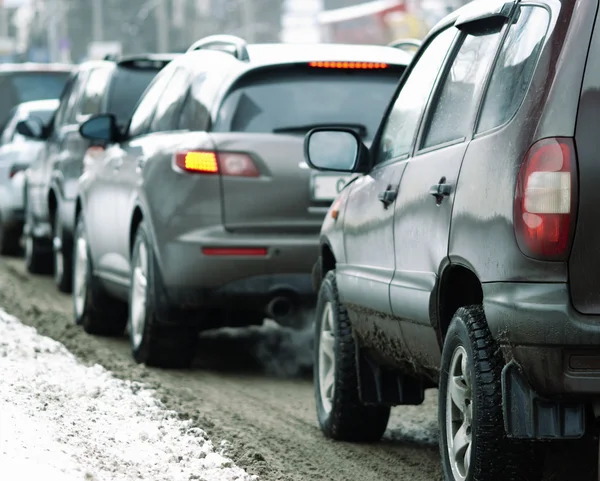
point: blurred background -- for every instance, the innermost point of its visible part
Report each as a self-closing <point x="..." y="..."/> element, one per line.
<point x="76" y="30"/>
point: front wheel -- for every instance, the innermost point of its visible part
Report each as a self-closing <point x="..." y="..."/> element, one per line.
<point x="152" y="342"/>
<point x="473" y="444"/>
<point x="94" y="309"/>
<point x="63" y="258"/>
<point x="340" y="413"/>
<point x="38" y="259"/>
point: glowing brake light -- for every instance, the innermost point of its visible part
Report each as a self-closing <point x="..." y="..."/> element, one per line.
<point x="350" y="65"/>
<point x="225" y="163"/>
<point x="545" y="199"/>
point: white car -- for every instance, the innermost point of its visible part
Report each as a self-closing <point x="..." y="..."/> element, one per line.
<point x="16" y="153"/>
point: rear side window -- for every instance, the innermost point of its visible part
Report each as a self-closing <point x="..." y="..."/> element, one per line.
<point x="18" y="87"/>
<point x="515" y="67"/>
<point x="292" y="101"/>
<point x="127" y="86"/>
<point x="454" y="112"/>
<point x="95" y="88"/>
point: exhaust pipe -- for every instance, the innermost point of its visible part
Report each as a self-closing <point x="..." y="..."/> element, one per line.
<point x="279" y="308"/>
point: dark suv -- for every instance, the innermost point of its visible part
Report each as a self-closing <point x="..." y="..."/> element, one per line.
<point x="464" y="255"/>
<point x="51" y="184"/>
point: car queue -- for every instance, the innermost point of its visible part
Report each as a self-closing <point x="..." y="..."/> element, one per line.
<point x="427" y="206"/>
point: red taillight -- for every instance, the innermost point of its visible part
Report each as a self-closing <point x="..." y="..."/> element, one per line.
<point x="235" y="251"/>
<point x="545" y="199"/>
<point x="224" y="163"/>
<point x="16" y="168"/>
<point x="350" y="65"/>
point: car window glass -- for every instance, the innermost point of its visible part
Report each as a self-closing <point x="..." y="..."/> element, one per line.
<point x="91" y="102"/>
<point x="75" y="95"/>
<point x="195" y="115"/>
<point x="126" y="87"/>
<point x="142" y="115"/>
<point x="65" y="99"/>
<point x="453" y="114"/>
<point x="405" y="115"/>
<point x="514" y="69"/>
<point x="8" y="128"/>
<point x="169" y="105"/>
<point x="291" y="100"/>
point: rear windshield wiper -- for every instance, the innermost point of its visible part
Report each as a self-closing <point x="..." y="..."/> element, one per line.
<point x="359" y="128"/>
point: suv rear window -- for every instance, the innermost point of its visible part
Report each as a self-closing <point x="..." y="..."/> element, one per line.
<point x="293" y="100"/>
<point x="18" y="87"/>
<point x="127" y="86"/>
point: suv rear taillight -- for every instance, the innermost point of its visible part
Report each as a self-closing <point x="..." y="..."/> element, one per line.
<point x="224" y="163"/>
<point x="545" y="199"/>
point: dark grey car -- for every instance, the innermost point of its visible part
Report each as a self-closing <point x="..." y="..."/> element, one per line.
<point x="204" y="213"/>
<point x="51" y="182"/>
<point x="465" y="255"/>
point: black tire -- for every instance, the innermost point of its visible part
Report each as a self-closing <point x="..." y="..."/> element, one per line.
<point x="153" y="342"/>
<point x="494" y="457"/>
<point x="38" y="256"/>
<point x="62" y="256"/>
<point x="10" y="238"/>
<point x="348" y="419"/>
<point x="98" y="313"/>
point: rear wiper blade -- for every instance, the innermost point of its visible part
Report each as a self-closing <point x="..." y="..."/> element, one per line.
<point x="359" y="128"/>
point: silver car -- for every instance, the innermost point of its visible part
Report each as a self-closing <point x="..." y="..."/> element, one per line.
<point x="16" y="154"/>
<point x="203" y="213"/>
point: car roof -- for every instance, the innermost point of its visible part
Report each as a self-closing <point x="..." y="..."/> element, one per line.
<point x="282" y="53"/>
<point x="49" y="105"/>
<point x="35" y="67"/>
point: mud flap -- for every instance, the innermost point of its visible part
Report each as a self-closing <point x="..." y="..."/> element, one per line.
<point x="527" y="415"/>
<point x="385" y="387"/>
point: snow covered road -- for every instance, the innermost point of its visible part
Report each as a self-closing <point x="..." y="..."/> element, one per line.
<point x="61" y="420"/>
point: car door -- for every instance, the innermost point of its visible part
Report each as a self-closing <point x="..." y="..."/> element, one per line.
<point x="107" y="195"/>
<point x="423" y="209"/>
<point x="157" y="143"/>
<point x="369" y="213"/>
<point x="38" y="178"/>
<point x="59" y="144"/>
<point x="74" y="145"/>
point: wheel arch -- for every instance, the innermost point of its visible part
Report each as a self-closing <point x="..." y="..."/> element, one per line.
<point x="458" y="286"/>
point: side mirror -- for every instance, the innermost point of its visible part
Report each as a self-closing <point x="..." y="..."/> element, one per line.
<point x="32" y="128"/>
<point x="100" y="127"/>
<point x="335" y="149"/>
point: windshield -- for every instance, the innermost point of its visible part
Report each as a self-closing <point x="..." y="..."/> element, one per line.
<point x="127" y="87"/>
<point x="43" y="115"/>
<point x="19" y="87"/>
<point x="294" y="101"/>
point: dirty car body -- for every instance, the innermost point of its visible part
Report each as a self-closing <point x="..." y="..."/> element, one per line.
<point x="476" y="207"/>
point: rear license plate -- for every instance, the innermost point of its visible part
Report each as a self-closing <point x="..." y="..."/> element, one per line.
<point x="327" y="187"/>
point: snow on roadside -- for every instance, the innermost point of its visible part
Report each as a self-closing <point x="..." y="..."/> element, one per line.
<point x="61" y="420"/>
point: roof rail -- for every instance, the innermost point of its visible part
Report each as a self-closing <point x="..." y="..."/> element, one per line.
<point x="405" y="43"/>
<point x="230" y="44"/>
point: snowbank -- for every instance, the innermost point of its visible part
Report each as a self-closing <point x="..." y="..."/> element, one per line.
<point x="61" y="420"/>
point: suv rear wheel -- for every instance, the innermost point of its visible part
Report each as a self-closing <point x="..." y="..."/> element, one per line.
<point x="38" y="259"/>
<point x="473" y="444"/>
<point x="340" y="413"/>
<point x="152" y="342"/>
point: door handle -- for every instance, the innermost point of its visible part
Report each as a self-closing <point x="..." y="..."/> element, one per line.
<point x="388" y="196"/>
<point x="440" y="190"/>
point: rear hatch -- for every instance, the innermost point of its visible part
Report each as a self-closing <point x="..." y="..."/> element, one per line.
<point x="266" y="116"/>
<point x="27" y="85"/>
